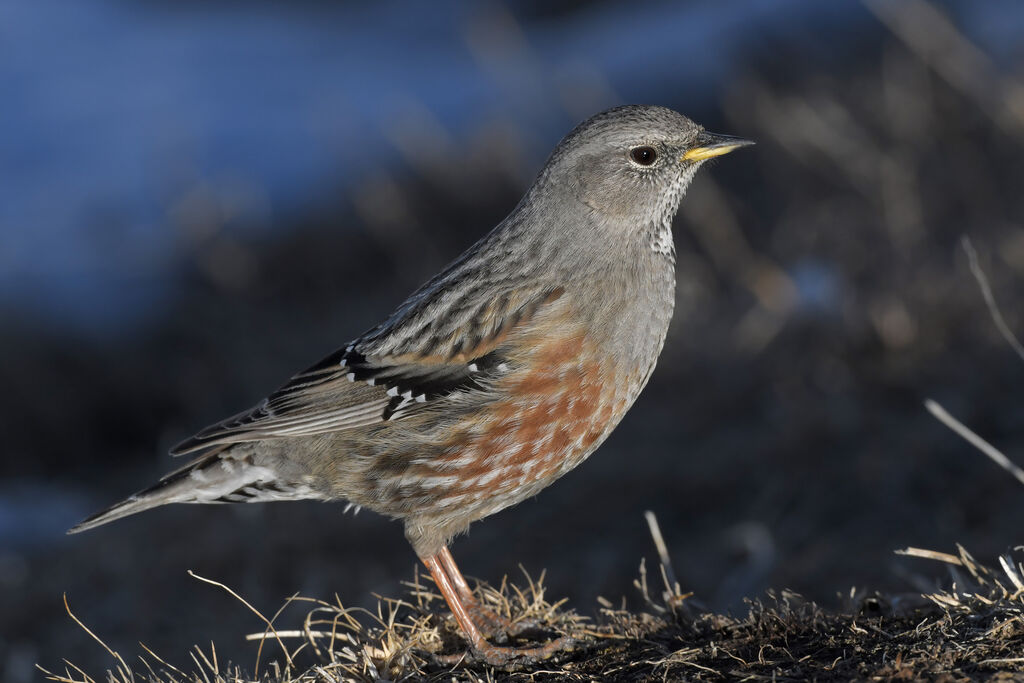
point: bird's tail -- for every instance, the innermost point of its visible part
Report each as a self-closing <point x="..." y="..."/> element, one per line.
<point x="222" y="475"/>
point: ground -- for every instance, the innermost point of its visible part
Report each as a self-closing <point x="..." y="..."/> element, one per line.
<point x="974" y="630"/>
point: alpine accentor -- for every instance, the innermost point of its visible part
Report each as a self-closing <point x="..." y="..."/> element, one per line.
<point x="493" y="379"/>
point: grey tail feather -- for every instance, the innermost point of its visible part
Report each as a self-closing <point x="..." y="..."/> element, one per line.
<point x="129" y="506"/>
<point x="168" y="490"/>
<point x="224" y="474"/>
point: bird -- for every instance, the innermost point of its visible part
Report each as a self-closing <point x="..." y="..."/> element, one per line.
<point x="494" y="378"/>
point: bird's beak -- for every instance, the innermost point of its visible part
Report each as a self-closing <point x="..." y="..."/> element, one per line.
<point x="708" y="145"/>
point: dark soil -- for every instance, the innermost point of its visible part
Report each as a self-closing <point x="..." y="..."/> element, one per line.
<point x="789" y="639"/>
<point x="968" y="633"/>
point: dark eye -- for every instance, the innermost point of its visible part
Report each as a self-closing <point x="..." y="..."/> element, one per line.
<point x="645" y="156"/>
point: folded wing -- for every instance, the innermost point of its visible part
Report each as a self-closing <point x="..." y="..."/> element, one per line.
<point x="355" y="387"/>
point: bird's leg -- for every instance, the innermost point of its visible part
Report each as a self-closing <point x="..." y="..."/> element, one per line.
<point x="458" y="580"/>
<point x="492" y="654"/>
<point x="492" y="624"/>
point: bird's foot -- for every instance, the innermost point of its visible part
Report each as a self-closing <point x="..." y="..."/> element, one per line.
<point x="478" y="623"/>
<point x="509" y="657"/>
<point x="496" y="626"/>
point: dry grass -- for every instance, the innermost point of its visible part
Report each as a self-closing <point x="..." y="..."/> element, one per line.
<point x="973" y="628"/>
<point x="401" y="640"/>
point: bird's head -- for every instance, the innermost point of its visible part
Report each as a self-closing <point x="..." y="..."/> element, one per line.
<point x="633" y="164"/>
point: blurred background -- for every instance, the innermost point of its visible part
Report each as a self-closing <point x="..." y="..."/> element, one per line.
<point x="199" y="199"/>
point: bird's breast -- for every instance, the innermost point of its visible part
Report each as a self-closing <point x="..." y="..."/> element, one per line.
<point x="556" y="405"/>
<point x="569" y="375"/>
<point x="567" y="386"/>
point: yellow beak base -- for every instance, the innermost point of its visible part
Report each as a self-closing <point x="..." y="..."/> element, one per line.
<point x="709" y="145"/>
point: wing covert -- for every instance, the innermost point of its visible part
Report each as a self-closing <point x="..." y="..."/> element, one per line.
<point x="351" y="388"/>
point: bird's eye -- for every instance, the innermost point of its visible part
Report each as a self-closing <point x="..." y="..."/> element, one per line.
<point x="645" y="156"/>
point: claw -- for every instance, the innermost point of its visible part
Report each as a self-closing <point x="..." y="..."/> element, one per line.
<point x="509" y="657"/>
<point x="479" y="623"/>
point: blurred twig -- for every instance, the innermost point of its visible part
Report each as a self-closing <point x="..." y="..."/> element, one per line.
<point x="937" y="42"/>
<point x="990" y="301"/>
<point x="659" y="543"/>
<point x="939" y="412"/>
<point x="972" y="438"/>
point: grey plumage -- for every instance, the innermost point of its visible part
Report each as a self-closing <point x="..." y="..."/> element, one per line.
<point x="424" y="418"/>
<point x="493" y="379"/>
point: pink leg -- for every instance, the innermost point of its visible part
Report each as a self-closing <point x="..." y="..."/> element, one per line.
<point x="439" y="565"/>
<point x="491" y="624"/>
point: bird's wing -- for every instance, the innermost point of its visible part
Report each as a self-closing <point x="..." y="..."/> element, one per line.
<point x="369" y="382"/>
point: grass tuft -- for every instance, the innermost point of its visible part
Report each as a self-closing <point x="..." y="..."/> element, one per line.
<point x="973" y="628"/>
